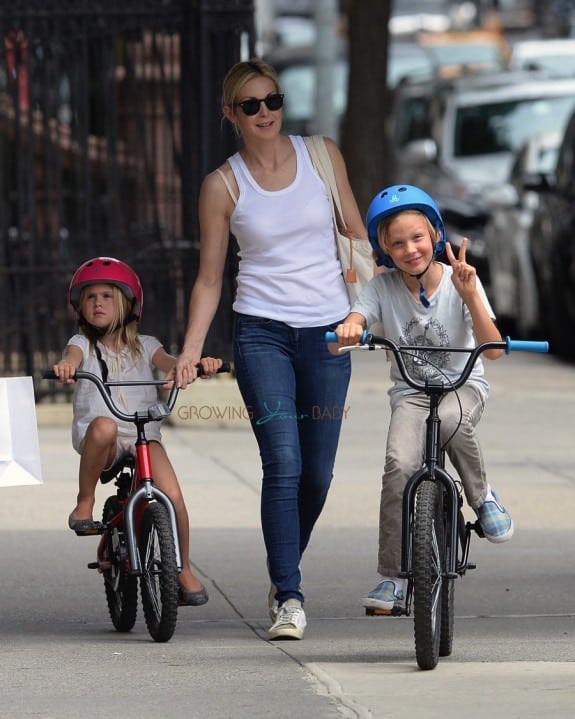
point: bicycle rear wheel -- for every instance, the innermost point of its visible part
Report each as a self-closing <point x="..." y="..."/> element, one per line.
<point x="159" y="580"/>
<point x="121" y="587"/>
<point x="428" y="568"/>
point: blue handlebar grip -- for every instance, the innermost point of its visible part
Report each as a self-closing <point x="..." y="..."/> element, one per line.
<point x="526" y="346"/>
<point x="332" y="337"/>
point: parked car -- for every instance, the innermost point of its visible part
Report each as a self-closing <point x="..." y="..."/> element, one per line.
<point x="409" y="17"/>
<point x="454" y="53"/>
<point x="454" y="137"/>
<point x="552" y="244"/>
<point x="511" y="14"/>
<point x="513" y="286"/>
<point x="553" y="55"/>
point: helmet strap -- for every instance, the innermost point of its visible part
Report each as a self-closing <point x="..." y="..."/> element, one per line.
<point x="103" y="366"/>
<point x="83" y="322"/>
<point x="422" y="298"/>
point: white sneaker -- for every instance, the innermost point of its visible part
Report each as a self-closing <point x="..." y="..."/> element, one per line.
<point x="273" y="604"/>
<point x="290" y="622"/>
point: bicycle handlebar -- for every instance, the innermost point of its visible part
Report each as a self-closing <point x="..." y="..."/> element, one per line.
<point x="154" y="413"/>
<point x="373" y="342"/>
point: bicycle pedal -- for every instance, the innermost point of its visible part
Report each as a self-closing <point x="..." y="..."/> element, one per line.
<point x="98" y="529"/>
<point x="375" y="612"/>
<point x="476" y="527"/>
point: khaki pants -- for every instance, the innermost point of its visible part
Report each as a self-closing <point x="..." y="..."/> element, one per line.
<point x="459" y="412"/>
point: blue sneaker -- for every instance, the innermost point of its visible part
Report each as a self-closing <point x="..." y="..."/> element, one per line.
<point x="387" y="594"/>
<point x="495" y="522"/>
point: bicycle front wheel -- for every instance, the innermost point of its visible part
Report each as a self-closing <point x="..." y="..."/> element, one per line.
<point x="448" y="592"/>
<point x="121" y="587"/>
<point x="428" y="570"/>
<point x="159" y="580"/>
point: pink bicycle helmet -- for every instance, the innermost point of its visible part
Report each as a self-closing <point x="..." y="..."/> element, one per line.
<point x="108" y="270"/>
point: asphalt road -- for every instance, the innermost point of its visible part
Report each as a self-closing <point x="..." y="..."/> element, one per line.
<point x="514" y="648"/>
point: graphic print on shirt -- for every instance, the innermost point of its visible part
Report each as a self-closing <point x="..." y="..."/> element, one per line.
<point x="421" y="364"/>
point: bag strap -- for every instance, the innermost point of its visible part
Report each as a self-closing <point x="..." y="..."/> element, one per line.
<point x="228" y="186"/>
<point x="322" y="162"/>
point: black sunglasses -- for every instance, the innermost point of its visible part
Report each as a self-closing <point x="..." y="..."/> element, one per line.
<point x="252" y="106"/>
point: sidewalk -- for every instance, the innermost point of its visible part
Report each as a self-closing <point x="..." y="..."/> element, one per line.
<point x="514" y="649"/>
<point x="215" y="402"/>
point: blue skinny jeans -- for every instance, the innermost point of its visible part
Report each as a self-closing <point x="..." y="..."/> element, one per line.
<point x="295" y="392"/>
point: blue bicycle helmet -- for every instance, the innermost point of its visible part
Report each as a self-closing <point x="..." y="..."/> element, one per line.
<point x="394" y="199"/>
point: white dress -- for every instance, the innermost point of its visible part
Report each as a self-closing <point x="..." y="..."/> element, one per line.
<point x="88" y="403"/>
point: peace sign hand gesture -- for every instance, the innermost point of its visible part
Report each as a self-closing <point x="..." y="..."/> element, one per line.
<point x="464" y="274"/>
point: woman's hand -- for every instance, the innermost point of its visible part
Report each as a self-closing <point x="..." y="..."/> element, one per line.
<point x="184" y="371"/>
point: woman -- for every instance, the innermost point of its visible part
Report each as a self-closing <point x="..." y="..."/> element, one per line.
<point x="290" y="290"/>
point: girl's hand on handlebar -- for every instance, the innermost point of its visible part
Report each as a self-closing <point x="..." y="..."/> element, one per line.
<point x="65" y="372"/>
<point x="185" y="370"/>
<point x="210" y="365"/>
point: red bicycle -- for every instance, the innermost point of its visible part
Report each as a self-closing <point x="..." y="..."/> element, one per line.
<point x="139" y="531"/>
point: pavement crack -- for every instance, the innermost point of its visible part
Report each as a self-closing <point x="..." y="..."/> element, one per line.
<point x="234" y="473"/>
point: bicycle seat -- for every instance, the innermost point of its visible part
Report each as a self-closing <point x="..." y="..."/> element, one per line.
<point x="126" y="461"/>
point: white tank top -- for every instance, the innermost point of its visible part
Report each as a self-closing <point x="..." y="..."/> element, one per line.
<point x="289" y="269"/>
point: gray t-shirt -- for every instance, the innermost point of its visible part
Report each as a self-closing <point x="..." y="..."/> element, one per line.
<point x="445" y="323"/>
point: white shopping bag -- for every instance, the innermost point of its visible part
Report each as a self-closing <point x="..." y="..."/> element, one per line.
<point x="19" y="447"/>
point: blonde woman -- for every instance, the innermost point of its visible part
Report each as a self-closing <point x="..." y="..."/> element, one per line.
<point x="290" y="290"/>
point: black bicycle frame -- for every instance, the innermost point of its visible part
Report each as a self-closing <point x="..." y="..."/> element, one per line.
<point x="433" y="470"/>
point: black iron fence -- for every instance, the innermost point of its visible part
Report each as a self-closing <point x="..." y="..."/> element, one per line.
<point x="109" y="119"/>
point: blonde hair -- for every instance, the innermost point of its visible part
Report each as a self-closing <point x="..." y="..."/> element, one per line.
<point x="243" y="72"/>
<point x="128" y="334"/>
<point x="383" y="228"/>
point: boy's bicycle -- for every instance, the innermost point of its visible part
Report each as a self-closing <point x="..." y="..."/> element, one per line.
<point x="139" y="532"/>
<point x="435" y="535"/>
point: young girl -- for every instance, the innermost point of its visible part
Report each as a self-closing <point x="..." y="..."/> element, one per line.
<point x="108" y="298"/>
<point x="425" y="302"/>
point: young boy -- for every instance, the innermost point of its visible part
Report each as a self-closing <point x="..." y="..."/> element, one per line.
<point x="422" y="301"/>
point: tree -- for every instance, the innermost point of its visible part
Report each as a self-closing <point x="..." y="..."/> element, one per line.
<point x="364" y="142"/>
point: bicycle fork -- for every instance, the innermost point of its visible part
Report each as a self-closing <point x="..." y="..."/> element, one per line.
<point x="147" y="492"/>
<point x="432" y="470"/>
